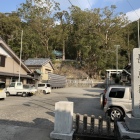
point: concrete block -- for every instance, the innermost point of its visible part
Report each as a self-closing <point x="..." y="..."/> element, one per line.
<point x="125" y="132"/>
<point x="135" y="76"/>
<point x="132" y="122"/>
<point x="62" y="136"/>
<point x="63" y="125"/>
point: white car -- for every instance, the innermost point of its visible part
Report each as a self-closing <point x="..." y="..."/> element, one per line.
<point x="45" y="88"/>
<point x="2" y="90"/>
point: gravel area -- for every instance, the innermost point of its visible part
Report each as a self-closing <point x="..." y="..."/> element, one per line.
<point x="38" y="110"/>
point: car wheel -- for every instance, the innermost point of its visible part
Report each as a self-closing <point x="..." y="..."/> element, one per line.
<point x="2" y="99"/>
<point x="116" y="113"/>
<point x="102" y="100"/>
<point x="44" y="91"/>
<point x="7" y="94"/>
<point x="24" y="94"/>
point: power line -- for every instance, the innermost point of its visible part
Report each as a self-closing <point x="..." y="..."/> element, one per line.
<point x="133" y="8"/>
<point x="89" y="4"/>
<point x="70" y="2"/>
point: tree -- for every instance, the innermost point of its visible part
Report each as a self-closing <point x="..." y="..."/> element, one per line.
<point x="38" y="15"/>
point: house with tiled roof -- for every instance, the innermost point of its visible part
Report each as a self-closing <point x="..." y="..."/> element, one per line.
<point x="11" y="68"/>
<point x="41" y="66"/>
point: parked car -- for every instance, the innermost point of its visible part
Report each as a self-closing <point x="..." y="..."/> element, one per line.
<point x="117" y="101"/>
<point x="102" y="97"/>
<point x="45" y="88"/>
<point x="31" y="87"/>
<point x="16" y="88"/>
<point x="2" y="91"/>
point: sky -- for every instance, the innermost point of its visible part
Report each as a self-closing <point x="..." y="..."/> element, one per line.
<point x="129" y="7"/>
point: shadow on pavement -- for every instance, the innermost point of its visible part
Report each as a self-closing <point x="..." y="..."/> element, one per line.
<point x="95" y="90"/>
<point x="37" y="123"/>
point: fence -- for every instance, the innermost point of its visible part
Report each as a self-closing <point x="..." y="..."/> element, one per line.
<point x="99" y="129"/>
<point x="84" y="83"/>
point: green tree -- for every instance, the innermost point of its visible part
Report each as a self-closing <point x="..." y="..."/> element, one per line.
<point x="39" y="16"/>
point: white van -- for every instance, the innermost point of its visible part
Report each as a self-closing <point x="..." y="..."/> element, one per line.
<point x="44" y="87"/>
<point x="2" y="90"/>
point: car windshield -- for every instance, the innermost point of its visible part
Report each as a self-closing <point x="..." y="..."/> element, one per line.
<point x="41" y="85"/>
<point x="2" y="85"/>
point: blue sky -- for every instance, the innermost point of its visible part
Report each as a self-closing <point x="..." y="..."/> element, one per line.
<point x="130" y="7"/>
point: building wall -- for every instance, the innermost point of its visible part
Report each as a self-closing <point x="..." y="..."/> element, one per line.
<point x="45" y="69"/>
<point x="11" y="66"/>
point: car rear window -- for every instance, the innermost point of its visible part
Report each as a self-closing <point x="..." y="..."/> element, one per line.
<point x="117" y="93"/>
<point x="48" y="85"/>
<point x="41" y="85"/>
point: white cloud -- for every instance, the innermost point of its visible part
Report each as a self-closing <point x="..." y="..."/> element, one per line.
<point x="133" y="15"/>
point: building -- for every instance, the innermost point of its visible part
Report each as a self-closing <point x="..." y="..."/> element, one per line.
<point x="11" y="68"/>
<point x="41" y="66"/>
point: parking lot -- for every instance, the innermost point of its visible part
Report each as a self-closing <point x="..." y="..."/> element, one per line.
<point x="38" y="111"/>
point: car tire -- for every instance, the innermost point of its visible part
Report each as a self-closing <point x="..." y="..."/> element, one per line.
<point x="44" y="92"/>
<point x="24" y="94"/>
<point x="7" y="94"/>
<point x="116" y="113"/>
<point x="2" y="99"/>
<point x="102" y="97"/>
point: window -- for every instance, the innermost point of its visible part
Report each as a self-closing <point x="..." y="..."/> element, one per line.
<point x="18" y="84"/>
<point x="48" y="85"/>
<point x="41" y="85"/>
<point x="47" y="70"/>
<point x="2" y="61"/>
<point x="12" y="85"/>
<point x="117" y="93"/>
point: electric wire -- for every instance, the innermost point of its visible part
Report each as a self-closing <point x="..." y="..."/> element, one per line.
<point x="78" y="3"/>
<point x="70" y="2"/>
<point x="89" y="4"/>
<point x="133" y="8"/>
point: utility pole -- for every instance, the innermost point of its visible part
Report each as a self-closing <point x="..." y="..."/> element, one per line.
<point x="138" y="35"/>
<point x="117" y="57"/>
<point x="20" y="55"/>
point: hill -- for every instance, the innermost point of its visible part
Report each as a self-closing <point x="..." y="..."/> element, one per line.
<point x="69" y="68"/>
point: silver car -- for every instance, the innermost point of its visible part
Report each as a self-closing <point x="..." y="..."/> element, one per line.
<point x="117" y="101"/>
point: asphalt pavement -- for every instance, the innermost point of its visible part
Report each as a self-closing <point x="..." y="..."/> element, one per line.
<point x="32" y="118"/>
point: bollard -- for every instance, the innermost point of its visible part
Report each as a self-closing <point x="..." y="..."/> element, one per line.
<point x="85" y="123"/>
<point x="92" y="125"/>
<point x="115" y="127"/>
<point x="100" y="125"/>
<point x="108" y="126"/>
<point x="77" y="122"/>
